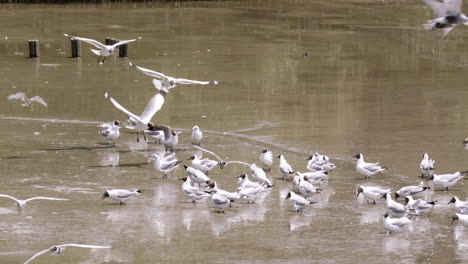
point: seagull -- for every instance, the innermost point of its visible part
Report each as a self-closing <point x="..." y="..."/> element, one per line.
<point x="465" y="143"/>
<point x="419" y="206"/>
<point x="158" y="135"/>
<point x="166" y="83"/>
<point x="244" y="182"/>
<point x="367" y="169"/>
<point x="446" y="180"/>
<point x="197" y="135"/>
<point x="314" y="177"/>
<point x="266" y="159"/>
<point x="165" y="166"/>
<point x="298" y="201"/>
<point x="462" y="217"/>
<point x="222" y="163"/>
<point x="372" y="192"/>
<point x="171" y="138"/>
<point x="27" y="101"/>
<point x="103" y="50"/>
<point x="20" y="204"/>
<point x="232" y="196"/>
<point x="460" y="206"/>
<point x="193" y="192"/>
<point x="285" y="169"/>
<point x="111" y="131"/>
<point x="196" y="176"/>
<point x="412" y="190"/>
<point x="205" y="165"/>
<point x="318" y="162"/>
<point x="220" y="201"/>
<point x="447" y="15"/>
<point x="393" y="225"/>
<point x="140" y="123"/>
<point x="56" y="250"/>
<point x="306" y="188"/>
<point x="426" y="166"/>
<point x="250" y="193"/>
<point x="260" y="175"/>
<point x="393" y="208"/>
<point x="120" y="195"/>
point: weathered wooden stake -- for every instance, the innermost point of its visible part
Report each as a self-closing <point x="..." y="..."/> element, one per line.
<point x="75" y="48"/>
<point x="123" y="51"/>
<point x="34" y="48"/>
<point x="110" y="41"/>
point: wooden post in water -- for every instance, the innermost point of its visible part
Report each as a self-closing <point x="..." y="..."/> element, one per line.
<point x="123" y="51"/>
<point x="110" y="41"/>
<point x="75" y="48"/>
<point x="34" y="48"/>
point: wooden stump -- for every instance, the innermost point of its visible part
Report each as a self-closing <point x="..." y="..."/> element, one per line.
<point x="110" y="41"/>
<point x="123" y="51"/>
<point x="75" y="48"/>
<point x="34" y="48"/>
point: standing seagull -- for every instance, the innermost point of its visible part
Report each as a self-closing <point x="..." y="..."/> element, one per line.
<point x="446" y="180"/>
<point x="285" y="169"/>
<point x="111" y="131"/>
<point x="447" y="15"/>
<point x="426" y="166"/>
<point x="367" y="169"/>
<point x="120" y="195"/>
<point x="27" y="101"/>
<point x="266" y="159"/>
<point x="298" y="201"/>
<point x="197" y="135"/>
<point x="372" y="192"/>
<point x="165" y="165"/>
<point x="460" y="206"/>
<point x="20" y="204"/>
<point x="140" y="123"/>
<point x="393" y="225"/>
<point x="171" y="138"/>
<point x="104" y="50"/>
<point x="393" y="208"/>
<point x="411" y="190"/>
<point x="56" y="250"/>
<point x="166" y="83"/>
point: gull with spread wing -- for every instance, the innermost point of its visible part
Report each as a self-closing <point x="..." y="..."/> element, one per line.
<point x="141" y="123"/>
<point x="166" y="82"/>
<point x="103" y="50"/>
<point x="447" y="15"/>
<point x="27" y="101"/>
<point x="20" y="204"/>
<point x="56" y="250"/>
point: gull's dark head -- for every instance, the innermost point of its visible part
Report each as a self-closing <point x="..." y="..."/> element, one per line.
<point x="264" y="150"/>
<point x="289" y="195"/>
<point x="105" y="195"/>
<point x="406" y="200"/>
<point x="359" y="191"/>
<point x="453" y="200"/>
<point x="357" y="156"/>
<point x="151" y="126"/>
<point x="242" y="176"/>
<point x="191" y="157"/>
<point x="117" y="123"/>
<point x="386" y="215"/>
<point x="454" y="218"/>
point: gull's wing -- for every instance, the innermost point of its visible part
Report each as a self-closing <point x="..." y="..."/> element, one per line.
<point x="45" y="198"/>
<point x="153" y="106"/>
<point x="372" y="167"/>
<point x="8" y="196"/>
<point x="149" y="72"/>
<point x="158" y="84"/>
<point x="446" y="31"/>
<point x="238" y="162"/>
<point x="20" y="96"/>
<point x="83" y="246"/>
<point x="167" y="131"/>
<point x="37" y="255"/>
<point x="125" y="42"/>
<point x="437" y="7"/>
<point x="207" y="151"/>
<point x="93" y="42"/>
<point x="187" y="81"/>
<point x="39" y="99"/>
<point x="121" y="108"/>
<point x="453" y="7"/>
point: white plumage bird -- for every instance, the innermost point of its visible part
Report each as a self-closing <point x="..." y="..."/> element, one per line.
<point x="266" y="159"/>
<point x="171" y="137"/>
<point x="103" y="50"/>
<point x="395" y="225"/>
<point x="463" y="218"/>
<point x="365" y="168"/>
<point x="419" y="206"/>
<point x="197" y="135"/>
<point x="372" y="192"/>
<point x="27" y="101"/>
<point x="460" y="206"/>
<point x="298" y="201"/>
<point x="20" y="204"/>
<point x="426" y="166"/>
<point x="412" y="190"/>
<point x="111" y="131"/>
<point x="165" y="166"/>
<point x="393" y="208"/>
<point x="56" y="250"/>
<point x="120" y="195"/>
<point x="446" y="180"/>
<point x="447" y="15"/>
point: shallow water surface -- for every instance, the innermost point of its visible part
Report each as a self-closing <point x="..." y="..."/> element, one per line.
<point x="373" y="81"/>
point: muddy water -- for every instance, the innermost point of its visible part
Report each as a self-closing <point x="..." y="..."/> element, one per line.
<point x="373" y="81"/>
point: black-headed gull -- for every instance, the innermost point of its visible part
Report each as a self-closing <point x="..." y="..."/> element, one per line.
<point x="445" y="180"/>
<point x="156" y="134"/>
<point x="120" y="195"/>
<point x="165" y="166"/>
<point x="110" y="131"/>
<point x="232" y="196"/>
<point x="27" y="101"/>
<point x="103" y="50"/>
<point x="197" y="135"/>
<point x="260" y="175"/>
<point x="250" y="193"/>
<point x="393" y="208"/>
<point x="171" y="137"/>
<point x="419" y="206"/>
<point x="463" y="218"/>
<point x="140" y="123"/>
<point x="244" y="181"/>
<point x="166" y="82"/>
<point x="284" y="167"/>
<point x="319" y="162"/>
<point x="372" y="192"/>
<point x="395" y="225"/>
<point x="56" y="250"/>
<point x="412" y="190"/>
<point x="205" y="165"/>
<point x="20" y="204"/>
<point x="220" y="201"/>
<point x="298" y="201"/>
<point x="306" y="188"/>
<point x="196" y="176"/>
<point x="426" y="166"/>
<point x="447" y="15"/>
<point x="460" y="206"/>
<point x="365" y="168"/>
<point x="193" y="192"/>
<point x="266" y="159"/>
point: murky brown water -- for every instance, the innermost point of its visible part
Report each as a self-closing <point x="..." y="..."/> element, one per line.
<point x="373" y="82"/>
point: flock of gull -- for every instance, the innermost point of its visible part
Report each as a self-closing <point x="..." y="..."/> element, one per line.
<point x="197" y="185"/>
